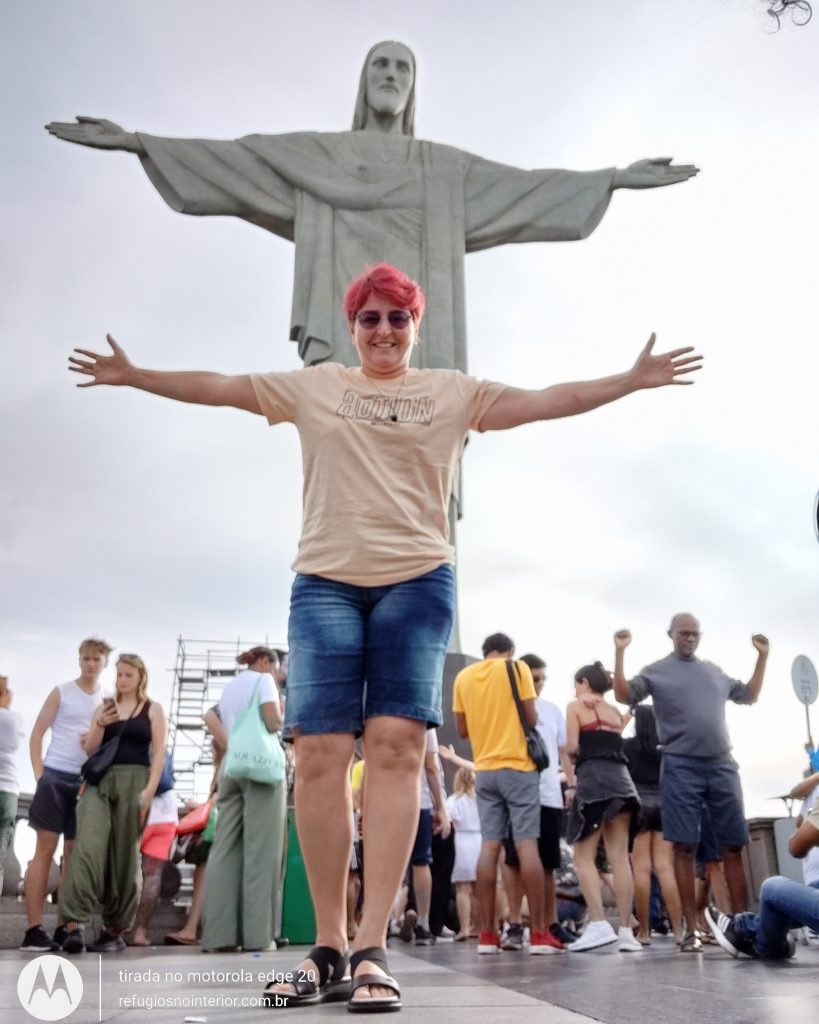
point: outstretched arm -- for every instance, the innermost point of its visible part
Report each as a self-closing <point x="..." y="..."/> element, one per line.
<point x="196" y="386"/>
<point x="97" y="133"/>
<point x="653" y="173"/>
<point x="516" y="406"/>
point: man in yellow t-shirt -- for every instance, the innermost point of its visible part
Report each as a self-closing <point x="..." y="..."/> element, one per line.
<point x="507" y="781"/>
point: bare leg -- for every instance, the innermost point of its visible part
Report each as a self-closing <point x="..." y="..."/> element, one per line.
<point x="422" y="884"/>
<point x="641" y="866"/>
<point x="615" y="835"/>
<point x="393" y="751"/>
<point x="661" y="856"/>
<point x="190" y="929"/>
<point x="486" y="882"/>
<point x="531" y="876"/>
<point x="324" y="818"/>
<point x="463" y="901"/>
<point x="353" y="889"/>
<point x="152" y="868"/>
<point x="37" y="875"/>
<point x="683" y="859"/>
<point x="513" y="888"/>
<point x="585" y="850"/>
<point x="735" y="878"/>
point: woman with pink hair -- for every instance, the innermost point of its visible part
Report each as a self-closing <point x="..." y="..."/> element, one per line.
<point x="373" y="601"/>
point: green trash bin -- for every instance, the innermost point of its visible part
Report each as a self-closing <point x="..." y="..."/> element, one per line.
<point x="298" y="917"/>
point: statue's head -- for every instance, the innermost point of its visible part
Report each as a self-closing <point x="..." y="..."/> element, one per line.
<point x="387" y="85"/>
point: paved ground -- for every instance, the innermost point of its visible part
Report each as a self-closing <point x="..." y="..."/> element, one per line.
<point x="658" y="984"/>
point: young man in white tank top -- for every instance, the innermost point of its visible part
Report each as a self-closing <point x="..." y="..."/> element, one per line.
<point x="67" y="712"/>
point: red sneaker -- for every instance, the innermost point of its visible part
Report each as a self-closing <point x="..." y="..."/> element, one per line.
<point x="544" y="944"/>
<point x="488" y="942"/>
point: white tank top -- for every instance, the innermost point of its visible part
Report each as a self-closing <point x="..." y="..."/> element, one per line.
<point x="73" y="718"/>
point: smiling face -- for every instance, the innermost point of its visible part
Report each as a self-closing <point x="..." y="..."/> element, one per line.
<point x="390" y="76"/>
<point x="384" y="350"/>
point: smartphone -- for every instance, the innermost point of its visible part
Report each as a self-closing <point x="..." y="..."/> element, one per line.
<point x="108" y="703"/>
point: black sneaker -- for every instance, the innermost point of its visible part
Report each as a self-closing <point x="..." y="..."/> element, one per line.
<point x="723" y="930"/>
<point x="562" y="934"/>
<point x="36" y="941"/>
<point x="423" y="936"/>
<point x="60" y="935"/>
<point x="74" y="941"/>
<point x="512" y="937"/>
<point x="105" y="942"/>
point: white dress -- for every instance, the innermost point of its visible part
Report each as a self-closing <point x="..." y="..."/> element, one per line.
<point x="463" y="811"/>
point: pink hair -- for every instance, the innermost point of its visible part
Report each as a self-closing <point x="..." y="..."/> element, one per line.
<point x="388" y="281"/>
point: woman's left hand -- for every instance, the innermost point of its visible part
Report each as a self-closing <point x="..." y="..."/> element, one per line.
<point x="652" y="371"/>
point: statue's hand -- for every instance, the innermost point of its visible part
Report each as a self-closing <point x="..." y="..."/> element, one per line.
<point x="653" y="173"/>
<point x="95" y="132"/>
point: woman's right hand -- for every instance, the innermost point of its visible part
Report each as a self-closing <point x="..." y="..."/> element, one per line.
<point x="114" y="369"/>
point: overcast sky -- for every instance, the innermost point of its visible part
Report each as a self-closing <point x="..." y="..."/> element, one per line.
<point x="140" y="520"/>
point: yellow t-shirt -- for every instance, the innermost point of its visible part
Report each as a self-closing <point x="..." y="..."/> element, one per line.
<point x="379" y="462"/>
<point x="483" y="694"/>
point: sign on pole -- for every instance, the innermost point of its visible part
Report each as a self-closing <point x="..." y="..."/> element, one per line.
<point x="805" y="682"/>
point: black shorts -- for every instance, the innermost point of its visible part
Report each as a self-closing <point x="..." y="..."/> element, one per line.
<point x="548" y="845"/>
<point x="54" y="805"/>
<point x="650" y="817"/>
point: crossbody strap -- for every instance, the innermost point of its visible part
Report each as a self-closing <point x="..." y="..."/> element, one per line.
<point x="518" y="703"/>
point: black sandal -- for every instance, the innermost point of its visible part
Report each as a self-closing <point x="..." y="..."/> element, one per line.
<point x="381" y="1004"/>
<point x="329" y="983"/>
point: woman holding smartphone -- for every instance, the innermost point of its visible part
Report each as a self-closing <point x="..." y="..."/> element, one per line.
<point x="111" y="814"/>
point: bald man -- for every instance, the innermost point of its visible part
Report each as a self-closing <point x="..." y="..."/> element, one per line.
<point x="689" y="698"/>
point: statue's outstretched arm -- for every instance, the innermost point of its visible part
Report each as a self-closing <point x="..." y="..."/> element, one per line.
<point x="96" y="132"/>
<point x="653" y="173"/>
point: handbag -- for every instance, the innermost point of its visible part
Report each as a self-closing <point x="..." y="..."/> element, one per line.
<point x="94" y="769"/>
<point x="534" y="741"/>
<point x="195" y="820"/>
<point x="253" y="753"/>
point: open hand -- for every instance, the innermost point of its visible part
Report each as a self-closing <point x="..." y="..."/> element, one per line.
<point x="95" y="132"/>
<point x="652" y="371"/>
<point x="113" y="369"/>
<point x="653" y="173"/>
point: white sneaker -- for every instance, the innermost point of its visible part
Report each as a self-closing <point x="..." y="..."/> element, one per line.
<point x="595" y="935"/>
<point x="627" y="943"/>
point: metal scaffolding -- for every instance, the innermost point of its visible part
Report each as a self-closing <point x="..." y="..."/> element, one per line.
<point x="202" y="669"/>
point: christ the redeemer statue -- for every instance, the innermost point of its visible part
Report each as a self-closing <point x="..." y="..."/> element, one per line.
<point x="375" y="193"/>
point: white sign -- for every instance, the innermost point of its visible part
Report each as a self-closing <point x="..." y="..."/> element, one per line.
<point x="805" y="683"/>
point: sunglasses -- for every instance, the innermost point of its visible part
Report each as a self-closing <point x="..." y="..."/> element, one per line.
<point x="398" y="318"/>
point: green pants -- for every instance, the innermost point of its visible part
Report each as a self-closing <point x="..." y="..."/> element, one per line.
<point x="104" y="866"/>
<point x="8" y="816"/>
<point x="245" y="865"/>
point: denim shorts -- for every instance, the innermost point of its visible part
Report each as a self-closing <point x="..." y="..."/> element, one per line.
<point x="358" y="652"/>
<point x="422" y="848"/>
<point x="688" y="783"/>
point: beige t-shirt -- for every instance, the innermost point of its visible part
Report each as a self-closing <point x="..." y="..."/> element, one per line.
<point x="379" y="461"/>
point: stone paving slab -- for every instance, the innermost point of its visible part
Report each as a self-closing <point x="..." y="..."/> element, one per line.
<point x="658" y="984"/>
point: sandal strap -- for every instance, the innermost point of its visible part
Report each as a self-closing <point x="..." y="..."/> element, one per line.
<point x="375" y="954"/>
<point x="382" y="980"/>
<point x="330" y="964"/>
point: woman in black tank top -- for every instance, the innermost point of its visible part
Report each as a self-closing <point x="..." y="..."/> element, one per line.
<point x="112" y="814"/>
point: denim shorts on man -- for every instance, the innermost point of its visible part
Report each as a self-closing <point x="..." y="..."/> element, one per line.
<point x="54" y="804"/>
<point x="422" y="849"/>
<point x="686" y="783"/>
<point x="358" y="652"/>
<point x="507" y="797"/>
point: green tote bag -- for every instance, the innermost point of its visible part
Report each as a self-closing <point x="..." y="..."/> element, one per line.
<point x="254" y="753"/>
